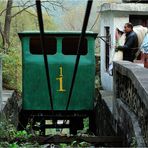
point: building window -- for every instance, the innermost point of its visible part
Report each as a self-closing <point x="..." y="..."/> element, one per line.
<point x="107" y="46"/>
<point x="139" y="20"/>
<point x="134" y="1"/>
<point x="50" y="45"/>
<point x="70" y="46"/>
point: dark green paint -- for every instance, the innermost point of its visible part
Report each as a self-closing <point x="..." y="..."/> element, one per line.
<point x="35" y="91"/>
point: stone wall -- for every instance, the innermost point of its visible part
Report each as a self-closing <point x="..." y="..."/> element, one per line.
<point x="131" y="100"/>
<point x="97" y="60"/>
<point x="104" y="117"/>
<point x="105" y="121"/>
<point x="12" y="108"/>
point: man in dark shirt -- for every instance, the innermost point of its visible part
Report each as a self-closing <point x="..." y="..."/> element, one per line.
<point x="130" y="46"/>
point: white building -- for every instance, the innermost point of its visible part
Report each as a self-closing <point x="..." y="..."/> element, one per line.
<point x="112" y="16"/>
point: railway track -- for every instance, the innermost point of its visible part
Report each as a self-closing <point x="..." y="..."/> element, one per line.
<point x="92" y="140"/>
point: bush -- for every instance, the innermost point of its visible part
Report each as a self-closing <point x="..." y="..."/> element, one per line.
<point x="11" y="138"/>
<point x="12" y="69"/>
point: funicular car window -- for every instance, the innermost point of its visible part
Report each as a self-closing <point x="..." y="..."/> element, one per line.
<point x="50" y="45"/>
<point x="70" y="46"/>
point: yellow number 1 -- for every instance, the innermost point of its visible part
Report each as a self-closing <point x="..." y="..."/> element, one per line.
<point x="61" y="89"/>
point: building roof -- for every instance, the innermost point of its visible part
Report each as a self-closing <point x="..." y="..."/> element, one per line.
<point x="130" y="7"/>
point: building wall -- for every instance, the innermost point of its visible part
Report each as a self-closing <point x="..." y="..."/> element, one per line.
<point x="111" y="20"/>
<point x="106" y="80"/>
<point x="115" y="16"/>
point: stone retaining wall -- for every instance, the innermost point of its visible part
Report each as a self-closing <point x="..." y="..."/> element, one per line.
<point x="131" y="101"/>
<point x="104" y="118"/>
<point x="12" y="108"/>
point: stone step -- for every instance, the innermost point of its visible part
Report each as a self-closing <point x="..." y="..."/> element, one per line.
<point x="107" y="96"/>
<point x="6" y="94"/>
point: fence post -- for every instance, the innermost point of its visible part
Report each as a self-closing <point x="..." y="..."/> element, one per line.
<point x="146" y="60"/>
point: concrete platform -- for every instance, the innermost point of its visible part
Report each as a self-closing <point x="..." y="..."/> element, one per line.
<point x="107" y="96"/>
<point x="6" y="94"/>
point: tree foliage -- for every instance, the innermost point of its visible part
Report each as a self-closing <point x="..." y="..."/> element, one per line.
<point x="21" y="16"/>
<point x="73" y="17"/>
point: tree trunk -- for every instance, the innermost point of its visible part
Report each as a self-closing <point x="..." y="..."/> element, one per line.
<point x="2" y="35"/>
<point x="7" y="25"/>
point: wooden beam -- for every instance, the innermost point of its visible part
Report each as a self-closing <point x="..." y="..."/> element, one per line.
<point x="68" y="139"/>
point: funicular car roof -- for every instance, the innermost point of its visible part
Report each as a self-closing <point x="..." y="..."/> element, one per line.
<point x="56" y="33"/>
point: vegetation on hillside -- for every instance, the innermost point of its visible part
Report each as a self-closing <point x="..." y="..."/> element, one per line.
<point x="17" y="16"/>
<point x="10" y="46"/>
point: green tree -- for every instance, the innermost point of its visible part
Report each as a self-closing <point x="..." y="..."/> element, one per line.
<point x="23" y="17"/>
<point x="12" y="9"/>
<point x="73" y="17"/>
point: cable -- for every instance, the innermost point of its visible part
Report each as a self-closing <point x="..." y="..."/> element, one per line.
<point x="95" y="22"/>
<point x="41" y="26"/>
<point x="85" y="22"/>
